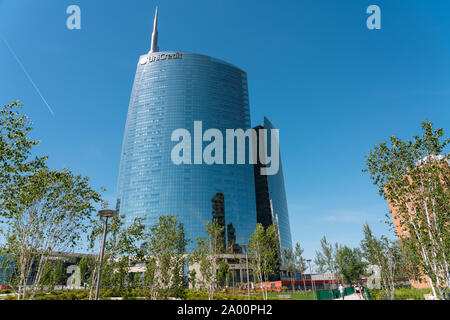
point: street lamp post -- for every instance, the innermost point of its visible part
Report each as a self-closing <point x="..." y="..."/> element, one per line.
<point x="246" y="260"/>
<point x="312" y="281"/>
<point x="232" y="274"/>
<point x="103" y="214"/>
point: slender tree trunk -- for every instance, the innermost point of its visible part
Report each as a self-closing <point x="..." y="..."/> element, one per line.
<point x="93" y="282"/>
<point x="37" y="278"/>
<point x="293" y="283"/>
<point x="432" y="286"/>
<point x="433" y="250"/>
<point x="421" y="245"/>
<point x="304" y="282"/>
<point x="439" y="234"/>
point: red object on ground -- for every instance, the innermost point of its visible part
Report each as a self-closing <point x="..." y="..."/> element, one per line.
<point x="2" y="287"/>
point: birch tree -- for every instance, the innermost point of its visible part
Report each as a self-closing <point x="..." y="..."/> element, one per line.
<point x="414" y="176"/>
<point x="207" y="255"/>
<point x="288" y="261"/>
<point x="300" y="262"/>
<point x="42" y="210"/>
<point x="387" y="255"/>
<point x="325" y="259"/>
<point x="48" y="213"/>
<point x="263" y="254"/>
<point x="121" y="251"/>
<point x="349" y="264"/>
<point x="165" y="258"/>
<point x="16" y="163"/>
<point x="16" y="145"/>
<point x="86" y="265"/>
<point x="223" y="273"/>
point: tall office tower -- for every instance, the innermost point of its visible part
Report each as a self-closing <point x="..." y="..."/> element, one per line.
<point x="171" y="90"/>
<point x="271" y="202"/>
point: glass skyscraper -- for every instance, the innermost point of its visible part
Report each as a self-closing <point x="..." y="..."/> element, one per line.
<point x="271" y="202"/>
<point x="171" y="90"/>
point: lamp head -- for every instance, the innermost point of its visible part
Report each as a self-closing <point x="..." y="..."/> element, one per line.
<point x="107" y="213"/>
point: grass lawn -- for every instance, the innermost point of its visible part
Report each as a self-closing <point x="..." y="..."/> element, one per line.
<point x="293" y="295"/>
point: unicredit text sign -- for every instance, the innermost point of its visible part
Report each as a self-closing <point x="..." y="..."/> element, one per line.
<point x="160" y="57"/>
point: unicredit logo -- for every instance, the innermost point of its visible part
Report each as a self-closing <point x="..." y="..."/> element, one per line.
<point x="160" y="57"/>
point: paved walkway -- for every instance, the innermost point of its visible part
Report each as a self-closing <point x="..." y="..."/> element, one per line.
<point x="351" y="297"/>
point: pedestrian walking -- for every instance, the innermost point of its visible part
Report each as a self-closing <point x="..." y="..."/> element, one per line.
<point x="342" y="291"/>
<point x="362" y="290"/>
<point x="357" y="289"/>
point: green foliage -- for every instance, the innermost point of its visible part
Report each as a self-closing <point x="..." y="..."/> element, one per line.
<point x="292" y="296"/>
<point x="349" y="264"/>
<point x="414" y="176"/>
<point x="121" y="250"/>
<point x="43" y="210"/>
<point x="385" y="254"/>
<point x="48" y="213"/>
<point x="58" y="275"/>
<point x="15" y="154"/>
<point x="202" y="295"/>
<point x="300" y="261"/>
<point x="404" y="293"/>
<point x="263" y="253"/>
<point x="325" y="260"/>
<point x="388" y="164"/>
<point x="87" y="266"/>
<point x="206" y="256"/>
<point x="63" y="295"/>
<point x="408" y="293"/>
<point x="125" y="295"/>
<point x="223" y="273"/>
<point x="288" y="261"/>
<point x="166" y="247"/>
<point x="54" y="295"/>
<point x="193" y="278"/>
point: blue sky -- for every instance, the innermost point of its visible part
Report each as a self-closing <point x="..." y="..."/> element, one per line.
<point x="333" y="87"/>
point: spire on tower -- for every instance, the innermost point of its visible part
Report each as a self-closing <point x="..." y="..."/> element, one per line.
<point x="154" y="47"/>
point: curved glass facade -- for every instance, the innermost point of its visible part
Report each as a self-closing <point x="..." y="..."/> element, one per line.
<point x="277" y="195"/>
<point x="271" y="202"/>
<point x="172" y="90"/>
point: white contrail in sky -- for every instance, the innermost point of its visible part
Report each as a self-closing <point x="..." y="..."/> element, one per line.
<point x="27" y="74"/>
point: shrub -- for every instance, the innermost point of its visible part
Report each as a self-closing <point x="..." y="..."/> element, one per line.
<point x="407" y="293"/>
<point x="47" y="297"/>
<point x="403" y="293"/>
